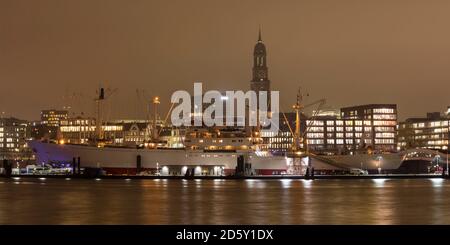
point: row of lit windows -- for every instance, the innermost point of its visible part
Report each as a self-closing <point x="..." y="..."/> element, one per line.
<point x="15" y="129"/>
<point x="134" y="139"/>
<point x="384" y="141"/>
<point x="280" y="146"/>
<point x="430" y="136"/>
<point x="384" y="129"/>
<point x="338" y="141"/>
<point x="339" y="122"/>
<point x="134" y="133"/>
<point x="351" y="129"/>
<point x="437" y="131"/>
<point x="437" y="142"/>
<point x="349" y="135"/>
<point x="269" y="134"/>
<point x="384" y="135"/>
<point x="9" y="145"/>
<point x="384" y="117"/>
<point x="431" y="124"/>
<point x="385" y="123"/>
<point x="78" y="122"/>
<point x="280" y="140"/>
<point x="383" y="110"/>
<point x="440" y="130"/>
<point x="91" y="128"/>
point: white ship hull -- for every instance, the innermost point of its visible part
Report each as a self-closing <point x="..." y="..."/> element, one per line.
<point x="116" y="160"/>
<point x="124" y="160"/>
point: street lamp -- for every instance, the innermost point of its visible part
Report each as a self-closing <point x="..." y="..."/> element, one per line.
<point x="379" y="158"/>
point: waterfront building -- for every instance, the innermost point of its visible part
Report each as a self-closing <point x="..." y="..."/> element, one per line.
<point x="13" y="144"/>
<point x="281" y="141"/>
<point x="135" y="133"/>
<point x="218" y="139"/>
<point x="358" y="128"/>
<point x="47" y="128"/>
<point x="83" y="130"/>
<point x="431" y="132"/>
<point x="120" y="132"/>
<point x="52" y="118"/>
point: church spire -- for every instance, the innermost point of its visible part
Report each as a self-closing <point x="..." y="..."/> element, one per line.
<point x="259" y="35"/>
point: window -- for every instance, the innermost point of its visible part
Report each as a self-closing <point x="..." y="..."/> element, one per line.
<point x="383" y="110"/>
<point x="316" y="129"/>
<point x="384" y="141"/>
<point x="384" y="135"/>
<point x="315" y="135"/>
<point x="384" y="123"/>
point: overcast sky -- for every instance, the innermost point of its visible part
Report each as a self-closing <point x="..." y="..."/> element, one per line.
<point x="55" y="53"/>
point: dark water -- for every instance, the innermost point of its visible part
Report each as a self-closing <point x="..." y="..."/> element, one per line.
<point x="54" y="201"/>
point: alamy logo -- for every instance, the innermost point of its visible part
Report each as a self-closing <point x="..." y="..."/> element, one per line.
<point x="240" y="109"/>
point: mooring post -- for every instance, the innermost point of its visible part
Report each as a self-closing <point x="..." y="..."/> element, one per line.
<point x="74" y="163"/>
<point x="79" y="165"/>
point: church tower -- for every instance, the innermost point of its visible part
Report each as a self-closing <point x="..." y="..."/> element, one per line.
<point x="260" y="80"/>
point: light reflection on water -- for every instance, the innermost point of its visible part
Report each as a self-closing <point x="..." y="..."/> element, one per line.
<point x="285" y="201"/>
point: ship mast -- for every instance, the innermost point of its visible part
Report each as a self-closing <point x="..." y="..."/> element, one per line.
<point x="297" y="139"/>
<point x="100" y="102"/>
<point x="98" y="121"/>
<point x="155" y="135"/>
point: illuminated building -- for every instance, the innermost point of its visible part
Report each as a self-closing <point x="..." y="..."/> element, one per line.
<point x="82" y="130"/>
<point x="358" y="128"/>
<point x="13" y="145"/>
<point x="431" y="132"/>
<point x="48" y="126"/>
<point x="122" y="132"/>
<point x="281" y="141"/>
<point x="52" y="118"/>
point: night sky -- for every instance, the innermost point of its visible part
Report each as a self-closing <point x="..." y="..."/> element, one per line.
<point x="55" y="53"/>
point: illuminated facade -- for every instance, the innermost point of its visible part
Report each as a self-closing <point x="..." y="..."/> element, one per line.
<point x="120" y="132"/>
<point x="52" y="118"/>
<point x="82" y="130"/>
<point x="218" y="139"/>
<point x="281" y="141"/>
<point x="431" y="132"/>
<point x="13" y="145"/>
<point x="359" y="128"/>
